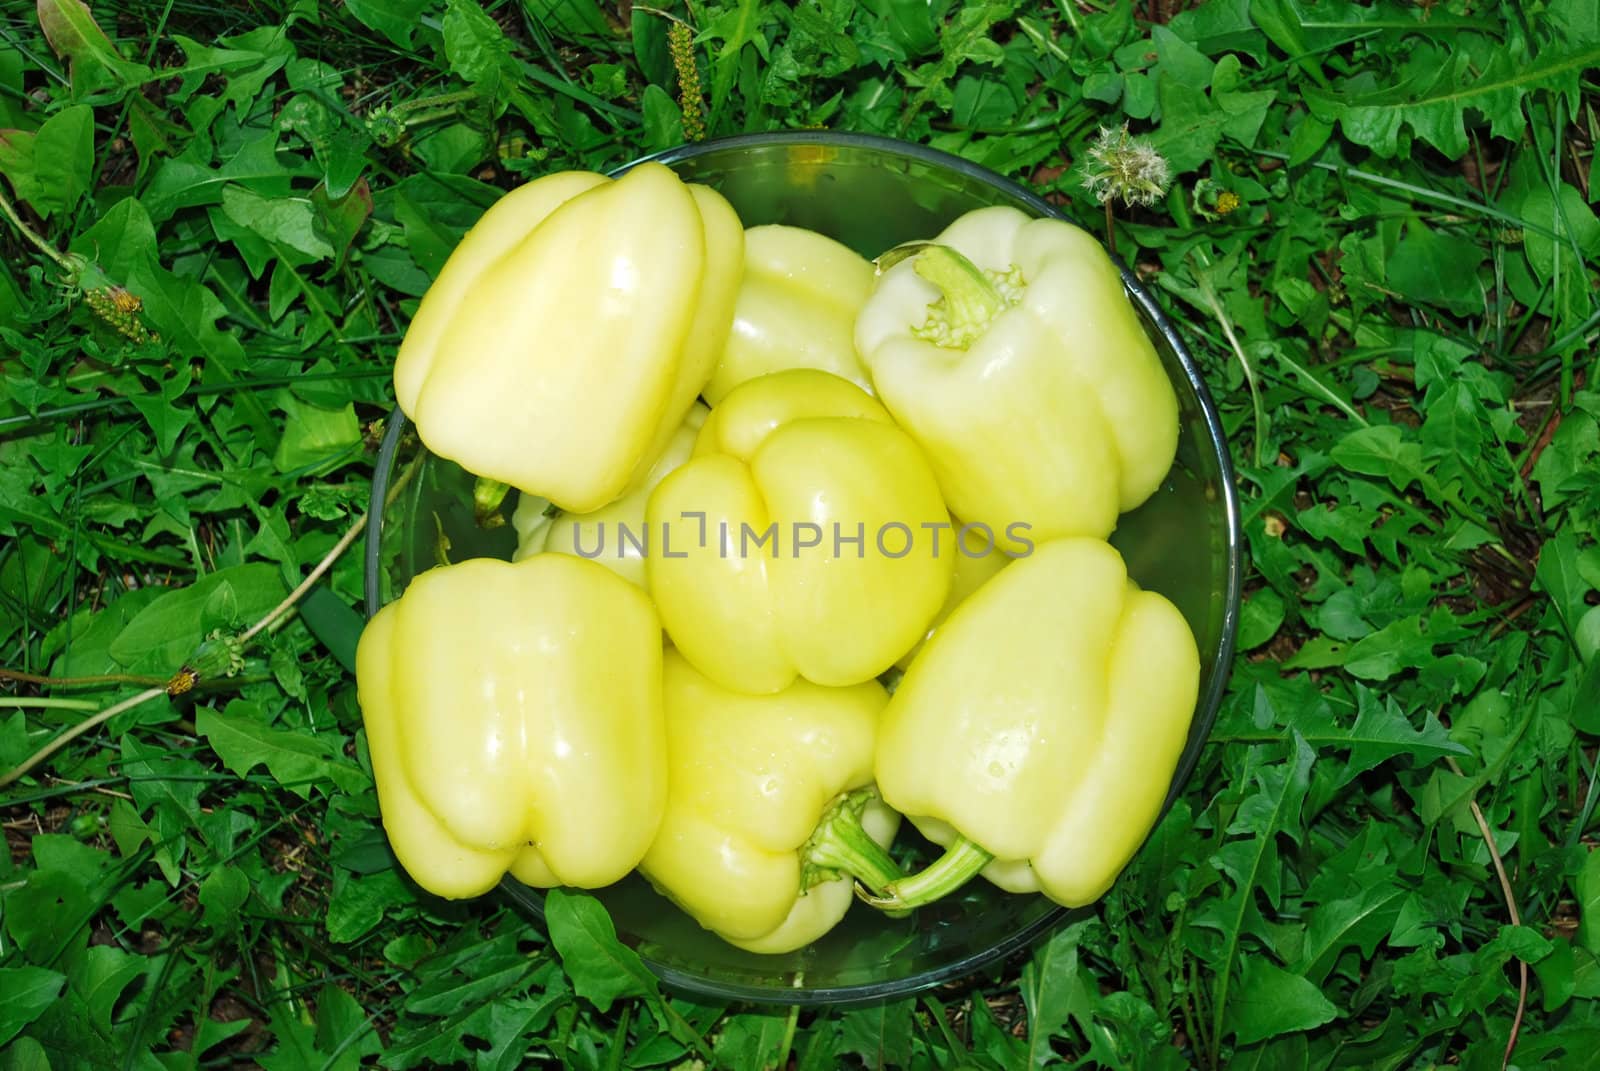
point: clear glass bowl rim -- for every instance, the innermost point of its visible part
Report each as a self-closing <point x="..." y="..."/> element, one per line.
<point x="1206" y="707"/>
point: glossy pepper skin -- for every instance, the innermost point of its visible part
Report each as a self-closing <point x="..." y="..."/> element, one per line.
<point x="614" y="535"/>
<point x="571" y="330"/>
<point x="976" y="561"/>
<point x="514" y="717"/>
<point x="1019" y="364"/>
<point x="796" y="308"/>
<point x="1038" y="731"/>
<point x="755" y="782"/>
<point x="750" y="604"/>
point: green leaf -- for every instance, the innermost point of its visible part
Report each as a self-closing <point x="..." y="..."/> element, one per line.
<point x="1180" y="60"/>
<point x="1572" y="454"/>
<point x="1406" y="644"/>
<point x="1382" y="731"/>
<point x="296" y="1047"/>
<point x="650" y="48"/>
<point x="163" y="785"/>
<point x="881" y="1035"/>
<point x="569" y="18"/>
<point x="663" y="119"/>
<point x="751" y="1040"/>
<point x="477" y="48"/>
<point x="1558" y="575"/>
<point x="1584" y="710"/>
<point x="1363" y="920"/>
<point x="1260" y="618"/>
<point x="1574" y="231"/>
<point x="26" y="1054"/>
<point x="395" y="19"/>
<point x="1381" y="450"/>
<point x="164" y="412"/>
<point x="337" y="142"/>
<point x="242" y="740"/>
<point x="435" y="211"/>
<point x="129" y="831"/>
<point x="1272" y="1001"/>
<point x="286" y="223"/>
<point x="222" y="894"/>
<point x="188" y="179"/>
<point x="212" y="1033"/>
<point x="29" y="991"/>
<point x="14" y="745"/>
<point x="1309" y="138"/>
<point x="344" y="1028"/>
<point x="314" y="437"/>
<point x="51" y="169"/>
<point x="452" y="148"/>
<point x="1192" y="122"/>
<point x="1588" y="890"/>
<point x="96" y="63"/>
<point x="360" y="902"/>
<point x="183" y="310"/>
<point x="602" y="969"/>
<point x="53" y="900"/>
<point x="456" y="991"/>
<point x="100" y="981"/>
<point x="245" y="69"/>
<point x="1438" y="268"/>
<point x="162" y="636"/>
<point x="1250" y="858"/>
<point x="1052" y="989"/>
<point x="1437" y="85"/>
<point x="341" y="218"/>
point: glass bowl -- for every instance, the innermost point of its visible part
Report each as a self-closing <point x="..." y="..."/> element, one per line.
<point x="869" y="193"/>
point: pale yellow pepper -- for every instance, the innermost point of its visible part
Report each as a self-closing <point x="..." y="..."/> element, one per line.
<point x="514" y="717"/>
<point x="1037" y="733"/>
<point x="769" y="821"/>
<point x="797" y="308"/>
<point x="1008" y="348"/>
<point x="793" y="543"/>
<point x="977" y="559"/>
<point x="571" y="330"/>
<point x="615" y="535"/>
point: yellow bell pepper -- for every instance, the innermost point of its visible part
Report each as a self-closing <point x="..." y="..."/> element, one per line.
<point x="514" y="717"/>
<point x="796" y="308"/>
<point x="1010" y="352"/>
<point x="769" y="812"/>
<point x="571" y="330"/>
<point x="1037" y="733"/>
<point x="795" y="541"/>
<point x="976" y="561"/>
<point x="614" y="535"/>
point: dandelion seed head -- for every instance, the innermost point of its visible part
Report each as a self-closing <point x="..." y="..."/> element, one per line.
<point x="1126" y="168"/>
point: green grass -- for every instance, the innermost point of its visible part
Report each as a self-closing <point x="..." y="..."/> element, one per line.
<point x="1381" y="240"/>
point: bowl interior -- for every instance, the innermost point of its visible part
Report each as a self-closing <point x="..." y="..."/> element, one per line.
<point x="869" y="194"/>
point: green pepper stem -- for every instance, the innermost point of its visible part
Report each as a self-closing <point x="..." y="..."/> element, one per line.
<point x="487" y="495"/>
<point x="959" y="864"/>
<point x="971" y="299"/>
<point x="841" y="847"/>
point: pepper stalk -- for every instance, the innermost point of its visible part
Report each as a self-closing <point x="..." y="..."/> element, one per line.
<point x="970" y="296"/>
<point x="961" y="862"/>
<point x="841" y="847"/>
<point x="487" y="495"/>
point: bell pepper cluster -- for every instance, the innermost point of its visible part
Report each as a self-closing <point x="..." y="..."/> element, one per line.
<point x="806" y="544"/>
